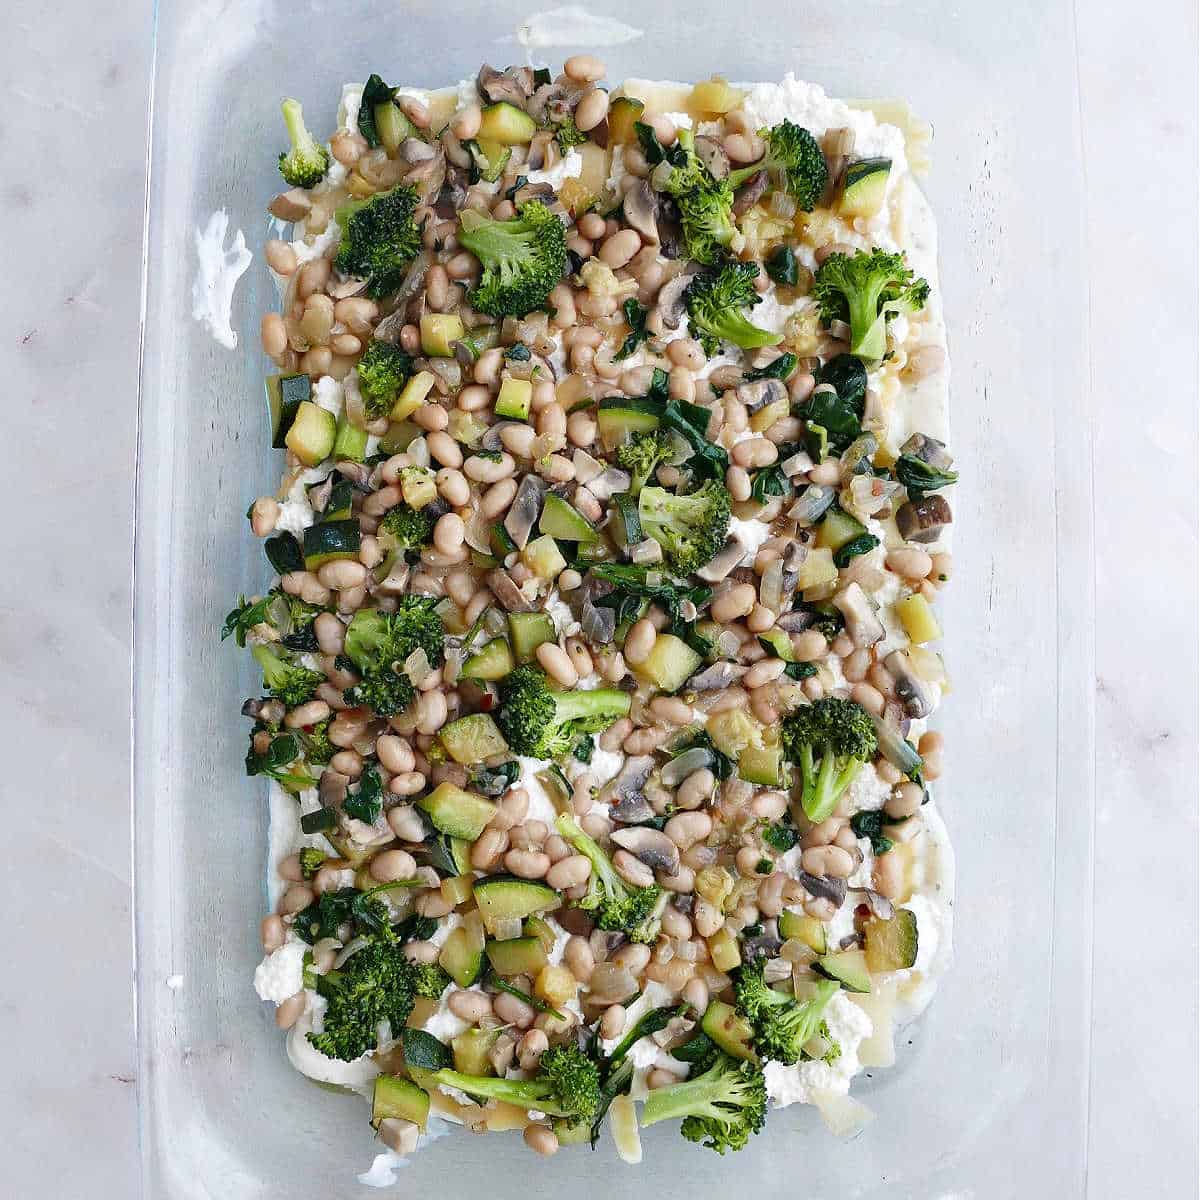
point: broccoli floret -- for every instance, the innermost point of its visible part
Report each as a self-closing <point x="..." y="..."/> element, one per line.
<point x="781" y="1023"/>
<point x="642" y="454"/>
<point x="310" y="861"/>
<point x="409" y="528"/>
<point x="720" y="1108"/>
<point x="867" y="290"/>
<point x="794" y="163"/>
<point x="375" y="984"/>
<point x="546" y="724"/>
<point x="829" y="740"/>
<point x="715" y="300"/>
<point x="568" y="134"/>
<point x="306" y="162"/>
<point x="617" y="906"/>
<point x="567" y="1085"/>
<point x="705" y="204"/>
<point x="284" y="679"/>
<point x="379" y="643"/>
<point x="523" y="259"/>
<point x="382" y="374"/>
<point x="318" y="749"/>
<point x="380" y="237"/>
<point x="690" y="528"/>
<point x="429" y="980"/>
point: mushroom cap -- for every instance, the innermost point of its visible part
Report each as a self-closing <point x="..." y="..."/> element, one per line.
<point x="649" y="846"/>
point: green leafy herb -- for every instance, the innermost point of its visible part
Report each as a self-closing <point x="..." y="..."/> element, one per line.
<point x="920" y="478"/>
<point x="863" y="544"/>
<point x="635" y="316"/>
<point x="782" y="266"/>
<point x="242" y="619"/>
<point x="779" y="368"/>
<point x="367" y="803"/>
<point x="869" y="824"/>
<point x="781" y="837"/>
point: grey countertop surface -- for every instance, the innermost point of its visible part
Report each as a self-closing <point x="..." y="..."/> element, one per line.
<point x="75" y="81"/>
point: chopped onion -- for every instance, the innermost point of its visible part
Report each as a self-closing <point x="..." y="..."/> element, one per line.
<point x="813" y="503"/>
<point x="495" y="622"/>
<point x="609" y="983"/>
<point x="504" y="929"/>
<point x="799" y="464"/>
<point x="349" y="950"/>
<point x="586" y="467"/>
<point x="843" y="1115"/>
<point x="894" y="747"/>
<point x="417" y="667"/>
<point x="648" y="551"/>
<point x="449" y="370"/>
<point x="770" y="591"/>
<point x="624" y="1122"/>
<point x="782" y="205"/>
<point x="418" y="451"/>
<point x="478" y="531"/>
<point x="655" y="579"/>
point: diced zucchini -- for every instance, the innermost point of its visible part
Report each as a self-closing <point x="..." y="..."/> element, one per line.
<point x="457" y="812"/>
<point x="623" y="113"/>
<point x="392" y="126"/>
<point x="396" y="1097"/>
<point x="729" y="1029"/>
<point x="619" y="416"/>
<point x="918" y="619"/>
<point x="838" y="528"/>
<point x="494" y="661"/>
<point x="466" y="428"/>
<point x="461" y="957"/>
<point x="438" y="331"/>
<point x="329" y="540"/>
<point x="312" y="433"/>
<point x="536" y="927"/>
<point x="670" y="663"/>
<point x="340" y="505"/>
<point x="471" y="739"/>
<point x="423" y="1051"/>
<point x="527" y="631"/>
<point x="732" y="731"/>
<point x="399" y="437"/>
<point x="560" y="520"/>
<point x="471" y="1051"/>
<point x="285" y="394"/>
<point x="777" y="643"/>
<point x="627" y="524"/>
<point x="864" y="187"/>
<point x="543" y="557"/>
<point x="804" y="928"/>
<point x="555" y="984"/>
<point x="413" y="396"/>
<point x="762" y="765"/>
<point x="517" y="956"/>
<point x="506" y="124"/>
<point x="514" y="399"/>
<point x="502" y="897"/>
<point x="723" y="950"/>
<point x="817" y="569"/>
<point x="350" y="443"/>
<point x="714" y="96"/>
<point x="502" y="545"/>
<point x="418" y="486"/>
<point x="847" y="967"/>
<point x="891" y="945"/>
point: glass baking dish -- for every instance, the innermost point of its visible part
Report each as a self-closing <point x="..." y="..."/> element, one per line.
<point x="989" y="1096"/>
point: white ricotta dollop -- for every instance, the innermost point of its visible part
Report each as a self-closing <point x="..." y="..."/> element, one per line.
<point x="751" y="533"/>
<point x="444" y="1025"/>
<point x="217" y="272"/>
<point x="348" y="106"/>
<point x="605" y="765"/>
<point x="281" y="973"/>
<point x="570" y="166"/>
<point x="848" y="1026"/>
<point x="541" y="806"/>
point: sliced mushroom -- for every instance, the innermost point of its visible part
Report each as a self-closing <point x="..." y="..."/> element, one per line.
<point x="717" y="678"/>
<point x="765" y="945"/>
<point x="850" y="941"/>
<point x="915" y="695"/>
<point x="750" y="193"/>
<point x="318" y="494"/>
<point x="714" y="158"/>
<point x="670" y="300"/>
<point x="549" y="104"/>
<point x="359" y="474"/>
<point x="513" y="86"/>
<point x="862" y="624"/>
<point x="824" y="887"/>
<point x="525" y="510"/>
<point x="608" y="483"/>
<point x="725" y="559"/>
<point x="760" y="393"/>
<point x="396" y="581"/>
<point x="332" y="788"/>
<point x="343" y="289"/>
<point x="533" y="191"/>
<point x="427" y="177"/>
<point x="928" y="450"/>
<point x="506" y="591"/>
<point x="492" y="440"/>
<point x="413" y="150"/>
<point x="456" y="152"/>
<point x="649" y="846"/>
<point x="923" y="520"/>
<point x="641" y="210"/>
<point x="626" y="793"/>
<point x="292" y="205"/>
<point x="796" y="621"/>
<point x="879" y="905"/>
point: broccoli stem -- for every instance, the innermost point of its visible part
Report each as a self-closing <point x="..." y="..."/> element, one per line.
<point x="293" y="118"/>
<point x="692" y="1098"/>
<point x="600" y="702"/>
<point x="524" y="1093"/>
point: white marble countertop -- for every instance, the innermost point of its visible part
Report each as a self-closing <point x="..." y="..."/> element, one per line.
<point x="74" y="116"/>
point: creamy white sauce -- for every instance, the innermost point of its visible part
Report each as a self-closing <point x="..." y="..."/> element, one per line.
<point x="218" y="269"/>
<point x="570" y="166"/>
<point x="573" y="25"/>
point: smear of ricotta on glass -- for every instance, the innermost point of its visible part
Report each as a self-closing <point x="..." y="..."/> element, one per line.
<point x="219" y="268"/>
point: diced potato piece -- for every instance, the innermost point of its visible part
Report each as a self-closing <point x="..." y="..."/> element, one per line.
<point x="543" y="558"/>
<point x="556" y="985"/>
<point x="595" y="167"/>
<point x="918" y="619"/>
<point x="732" y="731"/>
<point x="713" y="97"/>
<point x="438" y="331"/>
<point x="723" y="950"/>
<point x="767" y="416"/>
<point x="669" y="663"/>
<point x="817" y="569"/>
<point x="413" y="396"/>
